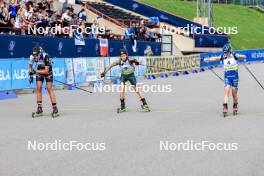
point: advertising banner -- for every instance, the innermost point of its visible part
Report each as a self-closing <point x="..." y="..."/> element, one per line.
<point x="79" y="70"/>
<point x="69" y="71"/>
<point x="20" y="75"/>
<point x="94" y="66"/>
<point x="59" y="71"/>
<point x="5" y="75"/>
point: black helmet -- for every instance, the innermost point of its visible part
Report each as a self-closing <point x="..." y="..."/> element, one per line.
<point x="123" y="51"/>
<point x="36" y="50"/>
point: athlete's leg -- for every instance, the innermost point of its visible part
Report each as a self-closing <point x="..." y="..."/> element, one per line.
<point x="227" y="92"/>
<point x="51" y="92"/>
<point x="39" y="91"/>
<point x="122" y="95"/>
<point x="39" y="99"/>
<point x="234" y="94"/>
<point x="235" y="97"/>
<point x="49" y="81"/>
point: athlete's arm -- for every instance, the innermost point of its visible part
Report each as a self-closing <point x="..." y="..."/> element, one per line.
<point x="110" y="67"/>
<point x="241" y="56"/>
<point x="31" y="61"/>
<point x="31" y="73"/>
<point x="216" y="58"/>
<point x="30" y="68"/>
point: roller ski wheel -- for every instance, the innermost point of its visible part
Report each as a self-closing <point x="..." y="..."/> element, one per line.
<point x="225" y="110"/>
<point x="120" y="110"/>
<point x="235" y="109"/>
<point x="145" y="108"/>
<point x="36" y="114"/>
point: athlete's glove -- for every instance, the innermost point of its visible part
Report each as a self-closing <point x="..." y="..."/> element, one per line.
<point x="134" y="62"/>
<point x="102" y="74"/>
<point x="30" y="79"/>
<point x="31" y="76"/>
<point x="33" y="72"/>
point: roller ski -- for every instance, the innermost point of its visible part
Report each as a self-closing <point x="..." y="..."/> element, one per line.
<point x="38" y="113"/>
<point x="55" y="112"/>
<point x="225" y="110"/>
<point x="235" y="109"/>
<point x="145" y="108"/>
<point x="120" y="110"/>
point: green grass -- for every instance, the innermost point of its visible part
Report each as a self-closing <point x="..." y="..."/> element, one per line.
<point x="250" y="22"/>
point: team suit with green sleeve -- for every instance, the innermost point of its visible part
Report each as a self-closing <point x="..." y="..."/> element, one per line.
<point x="127" y="69"/>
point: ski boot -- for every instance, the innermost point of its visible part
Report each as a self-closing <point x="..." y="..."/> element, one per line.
<point x="145" y="108"/>
<point x="225" y="109"/>
<point x="123" y="107"/>
<point x="38" y="113"/>
<point x="55" y="112"/>
<point x="235" y="109"/>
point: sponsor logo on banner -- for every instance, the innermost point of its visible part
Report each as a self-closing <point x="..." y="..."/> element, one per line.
<point x="5" y="75"/>
<point x="11" y="47"/>
<point x="104" y="47"/>
<point x="59" y="70"/>
<point x="60" y="46"/>
<point x="256" y="55"/>
<point x="93" y="68"/>
<point x="171" y="64"/>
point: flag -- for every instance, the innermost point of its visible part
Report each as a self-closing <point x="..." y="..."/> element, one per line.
<point x="104" y="47"/>
<point x="78" y="39"/>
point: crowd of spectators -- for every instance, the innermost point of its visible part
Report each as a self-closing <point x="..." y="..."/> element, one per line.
<point x="17" y="17"/>
<point x="21" y="17"/>
<point x="144" y="30"/>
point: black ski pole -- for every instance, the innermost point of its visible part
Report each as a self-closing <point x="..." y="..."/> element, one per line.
<point x="216" y="74"/>
<point x="253" y="76"/>
<point x="73" y="86"/>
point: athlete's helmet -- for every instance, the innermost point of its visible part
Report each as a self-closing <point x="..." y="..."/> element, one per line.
<point x="227" y="48"/>
<point x="123" y="51"/>
<point x="36" y="50"/>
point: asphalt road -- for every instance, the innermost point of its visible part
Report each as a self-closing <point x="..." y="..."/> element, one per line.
<point x="131" y="140"/>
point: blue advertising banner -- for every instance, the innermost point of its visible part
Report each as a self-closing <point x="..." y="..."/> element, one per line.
<point x="21" y="47"/>
<point x="79" y="70"/>
<point x="210" y="41"/>
<point x="59" y="70"/>
<point x="5" y="75"/>
<point x="20" y="75"/>
<point x="115" y="46"/>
